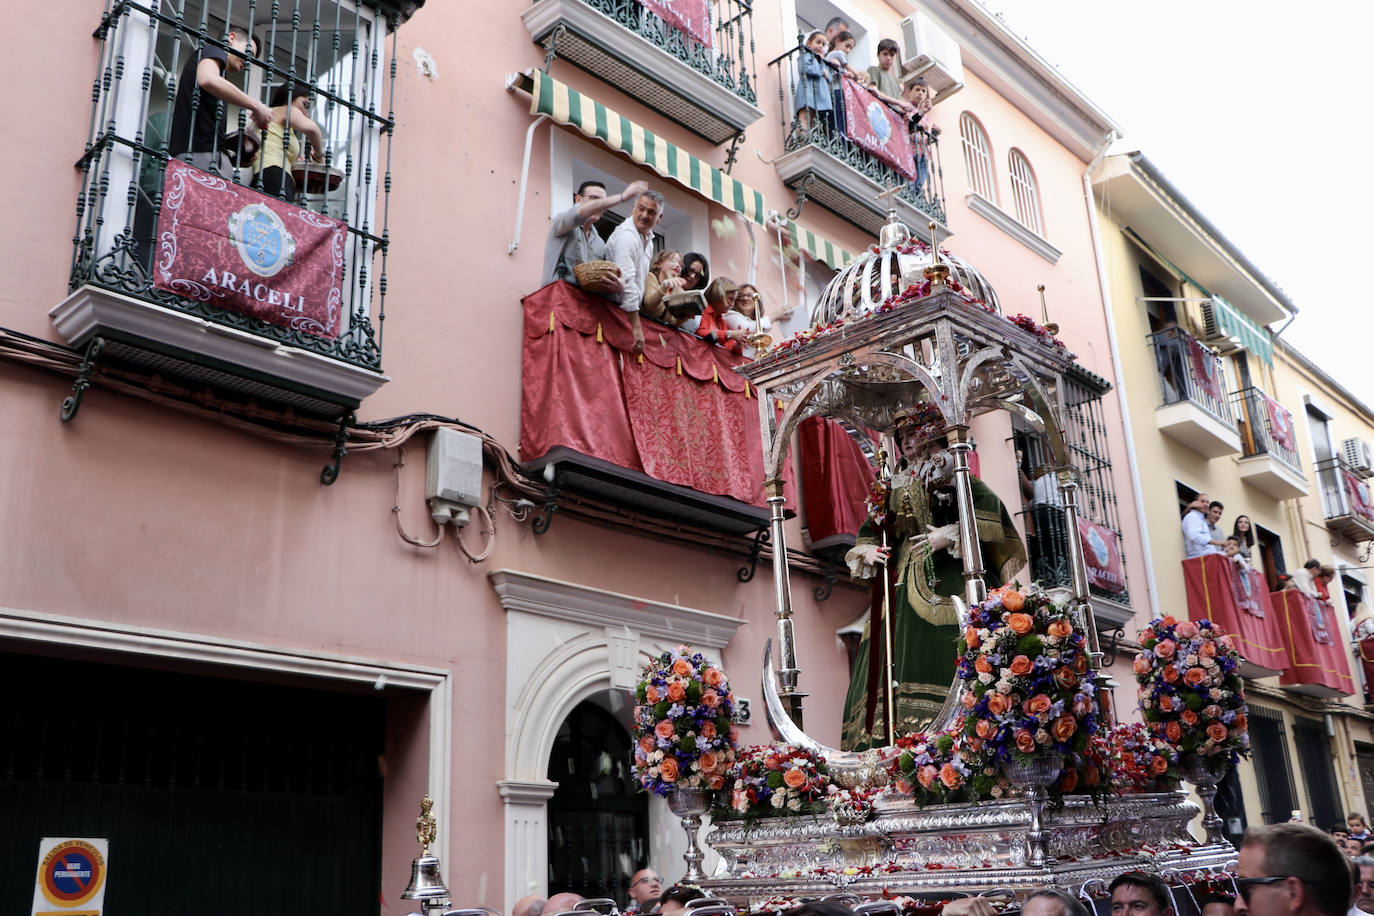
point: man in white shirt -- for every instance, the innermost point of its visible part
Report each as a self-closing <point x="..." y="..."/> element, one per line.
<point x="631" y="247"/>
<point x="572" y="237"/>
<point x="1304" y="580"/>
<point x="1197" y="534"/>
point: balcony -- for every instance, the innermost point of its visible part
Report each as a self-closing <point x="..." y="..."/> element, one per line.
<point x="822" y="164"/>
<point x="1347" y="505"/>
<point x="163" y="293"/>
<point x="1193" y="407"/>
<point x="672" y="435"/>
<point x="708" y="88"/>
<point x="1318" y="656"/>
<point x="1269" y="458"/>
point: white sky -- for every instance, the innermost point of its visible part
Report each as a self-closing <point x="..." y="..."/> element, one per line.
<point x="1259" y="113"/>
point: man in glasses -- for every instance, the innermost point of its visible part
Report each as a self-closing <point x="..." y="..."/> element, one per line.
<point x="1139" y="894"/>
<point x="1364" y="890"/>
<point x="1291" y="870"/>
<point x="645" y="886"/>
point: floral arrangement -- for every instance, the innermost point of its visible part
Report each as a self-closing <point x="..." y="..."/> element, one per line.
<point x="876" y="506"/>
<point x="1191" y="694"/>
<point x="853" y="805"/>
<point x="1037" y="330"/>
<point x="775" y="781"/>
<point x="682" y="723"/>
<point x="1132" y="757"/>
<point x="941" y="768"/>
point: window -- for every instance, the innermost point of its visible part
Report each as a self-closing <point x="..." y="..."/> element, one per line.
<point x="1025" y="193"/>
<point x="1270" y="556"/>
<point x="335" y="54"/>
<point x="1273" y="772"/>
<point x="977" y="157"/>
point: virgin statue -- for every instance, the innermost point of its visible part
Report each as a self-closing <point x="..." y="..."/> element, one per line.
<point x="917" y="538"/>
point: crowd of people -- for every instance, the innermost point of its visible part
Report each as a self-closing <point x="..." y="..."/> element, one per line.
<point x="818" y="100"/>
<point x="1286" y="869"/>
<point x="643" y="283"/>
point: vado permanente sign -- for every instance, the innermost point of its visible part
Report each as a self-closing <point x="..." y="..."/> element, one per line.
<point x="71" y="877"/>
<point x="233" y="248"/>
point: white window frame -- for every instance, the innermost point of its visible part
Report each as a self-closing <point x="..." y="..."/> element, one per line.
<point x="1025" y="191"/>
<point x="982" y="179"/>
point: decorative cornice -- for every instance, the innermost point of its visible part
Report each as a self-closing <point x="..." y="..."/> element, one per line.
<point x="529" y="792"/>
<point x="595" y="608"/>
<point x="1008" y="224"/>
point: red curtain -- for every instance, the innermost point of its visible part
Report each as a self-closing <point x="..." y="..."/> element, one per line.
<point x="1317" y="653"/>
<point x="1211" y="595"/>
<point x="679" y="413"/>
<point x="835" y="479"/>
<point x="1367" y="663"/>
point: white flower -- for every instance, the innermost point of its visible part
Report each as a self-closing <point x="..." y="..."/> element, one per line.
<point x="794" y="804"/>
<point x="778" y="800"/>
<point x="985" y="677"/>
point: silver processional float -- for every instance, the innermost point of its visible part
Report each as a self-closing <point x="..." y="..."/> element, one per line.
<point x="874" y="363"/>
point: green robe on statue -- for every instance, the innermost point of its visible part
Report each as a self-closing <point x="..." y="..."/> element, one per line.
<point x="926" y="625"/>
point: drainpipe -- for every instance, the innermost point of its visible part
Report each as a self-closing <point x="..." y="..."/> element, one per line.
<point x="524" y="181"/>
<point x="1132" y="463"/>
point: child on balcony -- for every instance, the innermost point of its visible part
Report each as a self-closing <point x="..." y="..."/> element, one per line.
<point x="838" y="58"/>
<point x="814" y="97"/>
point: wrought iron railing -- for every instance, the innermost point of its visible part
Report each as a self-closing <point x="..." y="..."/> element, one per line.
<point x="1345" y="494"/>
<point x="1262" y="433"/>
<point x="729" y="60"/>
<point x="1190" y="371"/>
<point x="338" y="54"/>
<point x="926" y="193"/>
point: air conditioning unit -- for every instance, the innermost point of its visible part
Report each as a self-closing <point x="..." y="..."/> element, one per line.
<point x="931" y="52"/>
<point x="1212" y="331"/>
<point x="1355" y="452"/>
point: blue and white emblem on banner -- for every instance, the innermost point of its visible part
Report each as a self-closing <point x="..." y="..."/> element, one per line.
<point x="1101" y="552"/>
<point x="261" y="239"/>
<point x="877" y="119"/>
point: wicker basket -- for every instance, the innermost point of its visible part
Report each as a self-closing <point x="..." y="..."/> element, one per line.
<point x="597" y="276"/>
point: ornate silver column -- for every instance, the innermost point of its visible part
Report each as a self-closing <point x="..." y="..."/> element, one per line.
<point x="975" y="589"/>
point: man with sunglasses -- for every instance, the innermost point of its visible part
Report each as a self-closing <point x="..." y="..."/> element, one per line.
<point x="1291" y="870"/>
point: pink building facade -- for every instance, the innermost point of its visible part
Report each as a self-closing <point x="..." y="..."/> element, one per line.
<point x="213" y="654"/>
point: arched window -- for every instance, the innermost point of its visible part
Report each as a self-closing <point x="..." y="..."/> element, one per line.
<point x="1024" y="190"/>
<point x="977" y="157"/>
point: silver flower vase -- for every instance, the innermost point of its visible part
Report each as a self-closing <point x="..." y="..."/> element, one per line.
<point x="1034" y="777"/>
<point x="1195" y="770"/>
<point x="689" y="805"/>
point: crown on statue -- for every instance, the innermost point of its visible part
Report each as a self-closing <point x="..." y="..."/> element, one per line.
<point x="922" y="421"/>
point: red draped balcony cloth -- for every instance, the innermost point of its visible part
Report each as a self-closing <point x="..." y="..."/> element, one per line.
<point x="1318" y="660"/>
<point x="1366" y="647"/>
<point x="679" y="413"/>
<point x="835" y="477"/>
<point x="1212" y="583"/>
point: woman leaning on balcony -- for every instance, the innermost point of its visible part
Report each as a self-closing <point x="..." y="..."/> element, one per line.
<point x="662" y="280"/>
<point x="280" y="148"/>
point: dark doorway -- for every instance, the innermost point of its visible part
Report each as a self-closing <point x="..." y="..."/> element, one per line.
<point x="1314" y="759"/>
<point x="268" y="796"/>
<point x="598" y="818"/>
<point x="1364" y="760"/>
<point x="1272" y="769"/>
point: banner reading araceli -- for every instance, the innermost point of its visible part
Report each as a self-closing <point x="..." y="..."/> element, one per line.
<point x="231" y="247"/>
<point x="1103" y="556"/>
<point x="690" y="16"/>
<point x="877" y="128"/>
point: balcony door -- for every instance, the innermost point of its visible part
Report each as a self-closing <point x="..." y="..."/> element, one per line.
<point x="1314" y="758"/>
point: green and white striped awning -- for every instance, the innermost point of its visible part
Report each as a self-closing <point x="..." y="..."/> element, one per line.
<point x="1233" y="323"/>
<point x="567" y="106"/>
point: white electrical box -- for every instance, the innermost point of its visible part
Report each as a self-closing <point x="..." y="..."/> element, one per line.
<point x="931" y="52"/>
<point x="454" y="469"/>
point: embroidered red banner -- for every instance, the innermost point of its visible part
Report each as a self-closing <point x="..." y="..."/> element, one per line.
<point x="1205" y="369"/>
<point x="1318" y="662"/>
<point x="877" y="128"/>
<point x="1212" y="595"/>
<point x="233" y="248"/>
<point x="690" y="16"/>
<point x="1280" y="423"/>
<point x="1359" y="496"/>
<point x="1103" y="556"/>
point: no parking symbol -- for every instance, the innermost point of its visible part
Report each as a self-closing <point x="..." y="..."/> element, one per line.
<point x="71" y="877"/>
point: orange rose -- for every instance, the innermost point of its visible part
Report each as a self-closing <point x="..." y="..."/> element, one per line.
<point x="1217" y="732"/>
<point x="984" y="728"/>
<point x="926" y="775"/>
<point x="950" y="776"/>
<point x="1025" y="741"/>
<point x="903" y="786"/>
<point x="646" y="744"/>
<point x="716" y="781"/>
<point x="1166" y="648"/>
<point x="975" y="744"/>
<point x="1170" y="620"/>
<point x="664" y="729"/>
<point x="1158" y="765"/>
<point x="1194" y="676"/>
<point x="709" y="698"/>
<point x="1020" y="624"/>
<point x="1014" y="601"/>
<point x="707" y="761"/>
<point x="1022" y="665"/>
<point x="1081" y="664"/>
<point x="653" y="694"/>
<point x="713" y="677"/>
<point x="1208" y="649"/>
<point x="1063" y="728"/>
<point x="682" y="667"/>
<point x="1061" y="629"/>
<point x="1173" y="731"/>
<point x="794" y="778"/>
<point x="1081" y="706"/>
<point x="1240" y="721"/>
<point x="997" y="703"/>
<point x="1189" y="717"/>
<point x="981" y="663"/>
<point x="971" y="638"/>
<point x="1065" y="678"/>
<point x="1166" y="703"/>
<point x="1170" y="674"/>
<point x="1141" y="665"/>
<point x="708" y="729"/>
<point x="1069" y="780"/>
<point x="1186" y="630"/>
<point x="968" y="700"/>
<point x="667" y="768"/>
<point x="1038" y="704"/>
